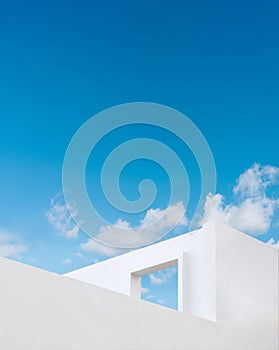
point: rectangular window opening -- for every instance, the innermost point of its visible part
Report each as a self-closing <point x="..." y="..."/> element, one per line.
<point x="160" y="286"/>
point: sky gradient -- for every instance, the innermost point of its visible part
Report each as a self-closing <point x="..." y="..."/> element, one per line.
<point x="63" y="62"/>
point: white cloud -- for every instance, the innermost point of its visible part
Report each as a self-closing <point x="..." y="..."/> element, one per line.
<point x="67" y="261"/>
<point x="172" y="215"/>
<point x="162" y="276"/>
<point x="252" y="210"/>
<point x="273" y="243"/>
<point x="10" y="246"/>
<point x="121" y="233"/>
<point x="144" y="290"/>
<point x="154" y="299"/>
<point x="94" y="246"/>
<point x="59" y="217"/>
<point x="149" y="297"/>
<point x="254" y="181"/>
<point x="86" y="258"/>
<point x="155" y="222"/>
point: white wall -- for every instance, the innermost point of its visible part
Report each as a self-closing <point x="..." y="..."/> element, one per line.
<point x="247" y="286"/>
<point x="196" y="257"/>
<point x="224" y="276"/>
<point x="40" y="310"/>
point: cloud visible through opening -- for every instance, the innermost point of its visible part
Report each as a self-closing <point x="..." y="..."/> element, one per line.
<point x="162" y="276"/>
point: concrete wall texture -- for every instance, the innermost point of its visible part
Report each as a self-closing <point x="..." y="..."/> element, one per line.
<point x="228" y="299"/>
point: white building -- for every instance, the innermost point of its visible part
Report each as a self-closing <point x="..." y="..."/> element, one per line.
<point x="227" y="293"/>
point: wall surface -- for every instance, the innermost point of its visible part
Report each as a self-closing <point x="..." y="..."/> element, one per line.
<point x="196" y="258"/>
<point x="42" y="310"/>
<point x="223" y="275"/>
<point x="247" y="286"/>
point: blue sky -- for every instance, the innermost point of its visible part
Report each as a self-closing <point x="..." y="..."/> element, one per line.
<point x="63" y="62"/>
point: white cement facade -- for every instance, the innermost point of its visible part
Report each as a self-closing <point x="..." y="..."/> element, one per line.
<point x="195" y="255"/>
<point x="228" y="299"/>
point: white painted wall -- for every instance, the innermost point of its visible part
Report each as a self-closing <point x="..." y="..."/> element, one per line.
<point x="224" y="276"/>
<point x="247" y="286"/>
<point x="40" y="310"/>
<point x="195" y="254"/>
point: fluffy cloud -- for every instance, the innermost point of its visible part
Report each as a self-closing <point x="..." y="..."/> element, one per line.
<point x="93" y="246"/>
<point x="255" y="181"/>
<point x="152" y="225"/>
<point x="252" y="210"/>
<point x="59" y="217"/>
<point x="10" y="246"/>
<point x="162" y="276"/>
